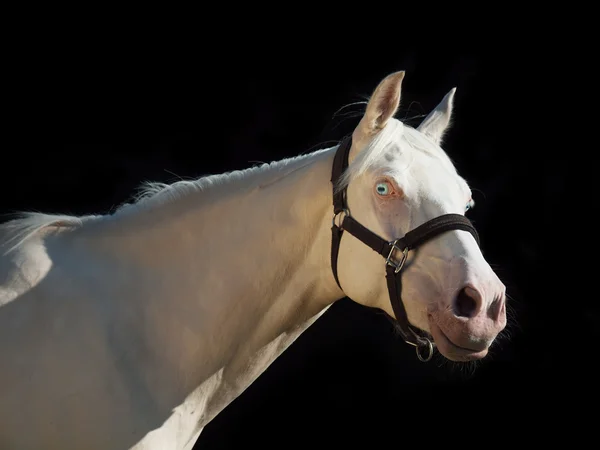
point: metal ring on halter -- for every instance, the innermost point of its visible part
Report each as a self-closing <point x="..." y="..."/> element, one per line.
<point x="420" y="343"/>
<point x="345" y="211"/>
<point x="429" y="345"/>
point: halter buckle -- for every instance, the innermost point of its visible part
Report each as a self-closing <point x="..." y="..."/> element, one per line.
<point x="390" y="262"/>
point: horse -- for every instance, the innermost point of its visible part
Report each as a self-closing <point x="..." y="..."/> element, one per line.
<point x="135" y="329"/>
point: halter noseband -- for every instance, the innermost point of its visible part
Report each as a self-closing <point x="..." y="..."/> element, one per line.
<point x="411" y="240"/>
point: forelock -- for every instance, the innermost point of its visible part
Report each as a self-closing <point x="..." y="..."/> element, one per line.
<point x="395" y="140"/>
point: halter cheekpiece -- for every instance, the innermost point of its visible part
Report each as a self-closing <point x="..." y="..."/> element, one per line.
<point x="395" y="252"/>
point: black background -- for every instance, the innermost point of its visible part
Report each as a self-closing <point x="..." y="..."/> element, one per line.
<point x="90" y="118"/>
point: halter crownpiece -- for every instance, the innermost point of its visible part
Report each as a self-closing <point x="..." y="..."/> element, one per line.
<point x="410" y="241"/>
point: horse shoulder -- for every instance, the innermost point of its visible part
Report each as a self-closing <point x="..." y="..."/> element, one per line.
<point x="60" y="367"/>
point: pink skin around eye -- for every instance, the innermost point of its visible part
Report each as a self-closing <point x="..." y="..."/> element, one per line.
<point x="393" y="191"/>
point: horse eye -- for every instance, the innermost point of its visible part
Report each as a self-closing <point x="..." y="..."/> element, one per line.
<point x="383" y="188"/>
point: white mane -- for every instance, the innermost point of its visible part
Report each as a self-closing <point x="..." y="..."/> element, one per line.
<point x="150" y="194"/>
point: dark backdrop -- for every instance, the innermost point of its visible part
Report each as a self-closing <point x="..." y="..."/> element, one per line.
<point x="89" y="121"/>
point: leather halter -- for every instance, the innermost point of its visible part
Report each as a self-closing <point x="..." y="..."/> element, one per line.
<point x="388" y="249"/>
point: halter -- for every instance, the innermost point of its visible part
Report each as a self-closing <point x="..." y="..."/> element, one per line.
<point x="410" y="241"/>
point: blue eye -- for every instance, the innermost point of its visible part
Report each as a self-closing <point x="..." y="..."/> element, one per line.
<point x="469" y="205"/>
<point x="382" y="188"/>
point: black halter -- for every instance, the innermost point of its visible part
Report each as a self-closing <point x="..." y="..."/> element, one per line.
<point x="411" y="240"/>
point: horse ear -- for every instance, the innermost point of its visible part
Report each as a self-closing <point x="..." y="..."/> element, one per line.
<point x="438" y="120"/>
<point x="382" y="105"/>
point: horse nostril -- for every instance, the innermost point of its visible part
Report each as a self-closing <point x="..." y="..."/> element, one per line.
<point x="465" y="305"/>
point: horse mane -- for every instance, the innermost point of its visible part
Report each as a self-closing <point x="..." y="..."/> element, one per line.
<point x="150" y="194"/>
<point x="27" y="224"/>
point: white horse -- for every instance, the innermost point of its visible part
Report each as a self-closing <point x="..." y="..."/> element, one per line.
<point x="134" y="330"/>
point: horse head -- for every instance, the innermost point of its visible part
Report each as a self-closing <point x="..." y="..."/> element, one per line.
<point x="399" y="178"/>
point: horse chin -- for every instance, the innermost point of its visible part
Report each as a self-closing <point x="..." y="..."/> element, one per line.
<point x="449" y="349"/>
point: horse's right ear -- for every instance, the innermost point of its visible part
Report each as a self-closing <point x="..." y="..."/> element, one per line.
<point x="382" y="106"/>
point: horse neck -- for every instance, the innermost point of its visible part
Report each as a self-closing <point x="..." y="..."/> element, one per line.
<point x="234" y="269"/>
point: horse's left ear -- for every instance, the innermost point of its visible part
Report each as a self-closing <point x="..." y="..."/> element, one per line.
<point x="438" y="120"/>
